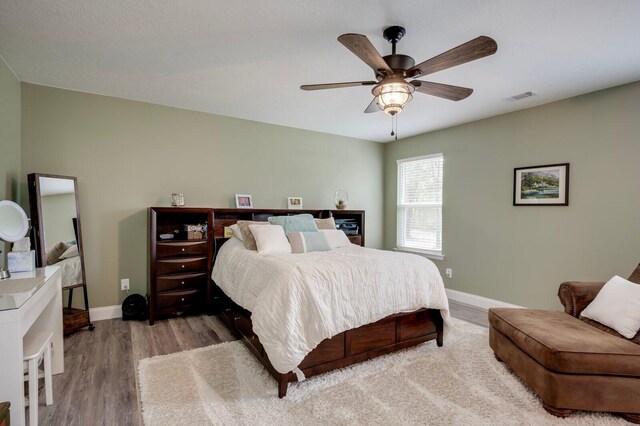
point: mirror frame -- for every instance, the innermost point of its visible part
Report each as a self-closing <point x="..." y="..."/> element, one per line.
<point x="37" y="221"/>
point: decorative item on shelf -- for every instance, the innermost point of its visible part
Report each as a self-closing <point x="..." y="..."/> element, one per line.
<point x="196" y="232"/>
<point x="294" y="203"/>
<point x="341" y="199"/>
<point x="244" y="201"/>
<point x="546" y="185"/>
<point x="348" y="226"/>
<point x="177" y="200"/>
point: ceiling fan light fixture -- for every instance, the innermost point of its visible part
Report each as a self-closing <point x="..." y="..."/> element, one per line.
<point x="392" y="96"/>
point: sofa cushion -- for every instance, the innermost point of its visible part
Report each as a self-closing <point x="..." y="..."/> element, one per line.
<point x="565" y="344"/>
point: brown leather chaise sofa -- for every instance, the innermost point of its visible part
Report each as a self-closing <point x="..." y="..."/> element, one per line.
<point x="572" y="364"/>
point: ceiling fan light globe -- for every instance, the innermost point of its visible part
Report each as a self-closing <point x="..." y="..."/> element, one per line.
<point x="393" y="96"/>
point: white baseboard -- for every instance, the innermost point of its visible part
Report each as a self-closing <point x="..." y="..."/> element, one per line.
<point x="473" y="308"/>
<point x="105" y="313"/>
<point x="477" y="301"/>
<point x="457" y="298"/>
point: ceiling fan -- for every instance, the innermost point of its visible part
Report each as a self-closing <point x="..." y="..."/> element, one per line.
<point x="391" y="90"/>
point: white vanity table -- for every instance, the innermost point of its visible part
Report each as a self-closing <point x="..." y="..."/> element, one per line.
<point x="29" y="302"/>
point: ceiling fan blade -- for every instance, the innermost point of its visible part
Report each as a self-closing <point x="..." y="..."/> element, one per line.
<point x="467" y="52"/>
<point x="453" y="93"/>
<point x="337" y="85"/>
<point x="373" y="107"/>
<point x="363" y="49"/>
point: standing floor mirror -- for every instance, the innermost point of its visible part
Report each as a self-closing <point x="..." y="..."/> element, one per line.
<point x="57" y="237"/>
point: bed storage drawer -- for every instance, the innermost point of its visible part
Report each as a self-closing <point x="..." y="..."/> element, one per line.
<point x="372" y="336"/>
<point x="181" y="248"/>
<point x="179" y="301"/>
<point x="328" y="350"/>
<point x="182" y="281"/>
<point x="416" y="324"/>
<point x="183" y="264"/>
<point x="243" y="325"/>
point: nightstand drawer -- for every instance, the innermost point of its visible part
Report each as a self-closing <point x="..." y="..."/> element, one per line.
<point x="180" y="300"/>
<point x="186" y="264"/>
<point x="182" y="248"/>
<point x="181" y="282"/>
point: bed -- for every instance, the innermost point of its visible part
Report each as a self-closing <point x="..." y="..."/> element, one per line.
<point x="306" y="314"/>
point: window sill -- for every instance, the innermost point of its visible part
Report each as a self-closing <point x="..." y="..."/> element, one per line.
<point x="434" y="256"/>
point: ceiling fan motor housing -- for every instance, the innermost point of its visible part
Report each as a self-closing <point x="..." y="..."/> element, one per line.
<point x="399" y="62"/>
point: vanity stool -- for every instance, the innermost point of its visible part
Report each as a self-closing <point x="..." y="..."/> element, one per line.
<point x="37" y="347"/>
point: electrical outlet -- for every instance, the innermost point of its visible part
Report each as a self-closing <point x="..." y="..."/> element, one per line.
<point x="448" y="273"/>
<point x="124" y="284"/>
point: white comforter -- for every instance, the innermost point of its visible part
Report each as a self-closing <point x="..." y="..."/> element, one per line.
<point x="298" y="300"/>
<point x="71" y="271"/>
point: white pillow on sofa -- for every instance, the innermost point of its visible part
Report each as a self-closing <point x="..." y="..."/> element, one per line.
<point x="617" y="306"/>
<point x="270" y="239"/>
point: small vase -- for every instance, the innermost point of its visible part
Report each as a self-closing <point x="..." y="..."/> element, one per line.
<point x="341" y="199"/>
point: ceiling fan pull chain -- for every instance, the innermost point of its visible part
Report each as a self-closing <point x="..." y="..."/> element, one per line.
<point x="392" y="132"/>
<point x="395" y="116"/>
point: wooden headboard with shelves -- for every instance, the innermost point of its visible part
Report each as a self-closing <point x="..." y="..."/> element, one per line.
<point x="223" y="218"/>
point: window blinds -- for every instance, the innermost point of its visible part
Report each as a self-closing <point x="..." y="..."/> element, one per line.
<point x="420" y="204"/>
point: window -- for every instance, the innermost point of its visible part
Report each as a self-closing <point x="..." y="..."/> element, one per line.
<point x="420" y="204"/>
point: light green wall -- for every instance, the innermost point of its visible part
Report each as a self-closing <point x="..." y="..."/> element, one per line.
<point x="131" y="155"/>
<point x="521" y="254"/>
<point x="9" y="140"/>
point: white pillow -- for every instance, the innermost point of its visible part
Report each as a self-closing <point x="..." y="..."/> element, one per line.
<point x="70" y="252"/>
<point x="336" y="238"/>
<point x="236" y="231"/>
<point x="270" y="239"/>
<point x="617" y="306"/>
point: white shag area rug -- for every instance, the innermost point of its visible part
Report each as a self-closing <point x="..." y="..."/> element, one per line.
<point x="458" y="384"/>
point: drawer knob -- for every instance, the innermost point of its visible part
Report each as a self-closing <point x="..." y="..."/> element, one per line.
<point x="182" y="298"/>
<point x="182" y="283"/>
<point x="183" y="249"/>
<point x="183" y="266"/>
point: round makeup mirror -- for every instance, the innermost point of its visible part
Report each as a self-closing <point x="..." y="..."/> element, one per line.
<point x="14" y="224"/>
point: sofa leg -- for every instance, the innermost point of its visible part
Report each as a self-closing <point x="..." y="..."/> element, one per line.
<point x="497" y="357"/>
<point x="558" y="412"/>
<point x="631" y="417"/>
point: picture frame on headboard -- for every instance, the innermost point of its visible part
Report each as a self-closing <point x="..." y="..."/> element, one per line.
<point x="244" y="201"/>
<point x="546" y="185"/>
<point x="294" y="203"/>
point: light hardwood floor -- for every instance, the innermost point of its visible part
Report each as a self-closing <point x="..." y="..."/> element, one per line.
<point x="99" y="384"/>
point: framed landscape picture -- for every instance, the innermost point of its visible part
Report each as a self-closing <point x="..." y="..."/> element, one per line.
<point x="546" y="185"/>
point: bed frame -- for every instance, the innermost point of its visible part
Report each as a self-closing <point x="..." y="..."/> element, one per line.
<point x="390" y="334"/>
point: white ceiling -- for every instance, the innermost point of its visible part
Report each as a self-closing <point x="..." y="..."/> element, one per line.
<point x="247" y="59"/>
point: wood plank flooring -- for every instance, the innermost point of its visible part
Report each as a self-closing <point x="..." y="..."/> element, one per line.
<point x="99" y="385"/>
